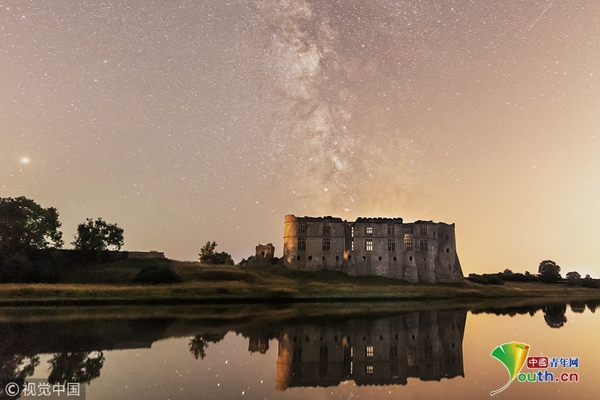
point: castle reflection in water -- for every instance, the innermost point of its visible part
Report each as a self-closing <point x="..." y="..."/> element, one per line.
<point x="369" y="348"/>
<point x="387" y="351"/>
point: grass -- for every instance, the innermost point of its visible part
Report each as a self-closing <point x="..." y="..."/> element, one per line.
<point x="111" y="283"/>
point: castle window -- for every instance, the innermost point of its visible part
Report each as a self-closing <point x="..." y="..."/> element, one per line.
<point x="379" y="258"/>
<point x="326" y="243"/>
<point x="369" y="229"/>
<point x="323" y="258"/>
<point x="394" y="371"/>
<point x="411" y="357"/>
<point x="297" y="372"/>
<point x="393" y="353"/>
<point x="369" y="353"/>
<point x="394" y="258"/>
<point x="391" y="244"/>
<point x="309" y="258"/>
<point x="337" y="258"/>
<point x="352" y="231"/>
<point x="302" y="227"/>
<point x="323" y="354"/>
<point x="410" y="258"/>
<point x="423" y="229"/>
<point x="391" y="229"/>
<point x="428" y="352"/>
<point x="326" y="229"/>
<point x="297" y="355"/>
<point x="423" y="244"/>
<point x="369" y="369"/>
<point x="352" y="244"/>
<point x="364" y="258"/>
<point x="301" y="243"/>
<point x="323" y="371"/>
<point x="447" y="250"/>
<point x="408" y="244"/>
<point x="349" y="257"/>
<point x="298" y="258"/>
<point x="369" y="244"/>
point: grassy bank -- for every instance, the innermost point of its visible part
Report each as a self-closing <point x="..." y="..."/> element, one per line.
<point x="111" y="283"/>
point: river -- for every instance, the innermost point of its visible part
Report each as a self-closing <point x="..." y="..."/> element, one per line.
<point x="263" y="352"/>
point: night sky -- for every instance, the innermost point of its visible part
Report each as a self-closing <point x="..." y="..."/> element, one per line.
<point x="189" y="121"/>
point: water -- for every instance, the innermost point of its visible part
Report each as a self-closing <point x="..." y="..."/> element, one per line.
<point x="361" y="351"/>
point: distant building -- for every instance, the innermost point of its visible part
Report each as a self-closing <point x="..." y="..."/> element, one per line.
<point x="145" y="254"/>
<point x="421" y="251"/>
<point x="265" y="251"/>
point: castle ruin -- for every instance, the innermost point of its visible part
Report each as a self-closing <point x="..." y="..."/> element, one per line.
<point x="421" y="251"/>
<point x="425" y="345"/>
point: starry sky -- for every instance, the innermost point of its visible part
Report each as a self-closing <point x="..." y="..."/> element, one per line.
<point x="185" y="121"/>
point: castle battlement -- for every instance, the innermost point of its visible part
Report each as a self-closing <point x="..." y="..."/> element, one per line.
<point x="421" y="251"/>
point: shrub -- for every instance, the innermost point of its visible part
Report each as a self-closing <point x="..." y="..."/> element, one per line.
<point x="155" y="274"/>
<point x="590" y="283"/>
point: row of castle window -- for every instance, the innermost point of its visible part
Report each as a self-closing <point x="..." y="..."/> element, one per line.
<point x="391" y="229"/>
<point x="369" y="371"/>
<point x="391" y="244"/>
<point x="369" y="353"/>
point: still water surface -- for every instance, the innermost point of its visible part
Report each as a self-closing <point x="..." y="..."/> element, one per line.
<point x="226" y="353"/>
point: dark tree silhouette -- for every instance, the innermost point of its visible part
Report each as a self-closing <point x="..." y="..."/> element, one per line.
<point x="98" y="235"/>
<point x="199" y="343"/>
<point x="554" y="315"/>
<point x="208" y="255"/>
<point x="15" y="368"/>
<point x="25" y="225"/>
<point x="198" y="347"/>
<point x="549" y="271"/>
<point x="573" y="276"/>
<point x="76" y="367"/>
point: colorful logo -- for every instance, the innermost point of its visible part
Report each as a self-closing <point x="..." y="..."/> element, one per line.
<point x="513" y="356"/>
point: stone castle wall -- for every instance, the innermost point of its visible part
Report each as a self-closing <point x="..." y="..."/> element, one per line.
<point x="423" y="345"/>
<point x="422" y="251"/>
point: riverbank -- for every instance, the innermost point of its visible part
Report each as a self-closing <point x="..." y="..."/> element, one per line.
<point x="110" y="284"/>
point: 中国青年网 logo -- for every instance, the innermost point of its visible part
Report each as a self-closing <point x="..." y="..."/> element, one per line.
<point x="514" y="356"/>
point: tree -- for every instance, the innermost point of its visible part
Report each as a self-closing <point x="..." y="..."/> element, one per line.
<point x="98" y="236"/>
<point x="549" y="271"/>
<point x="554" y="315"/>
<point x="75" y="367"/>
<point x="573" y="276"/>
<point x="25" y="225"/>
<point x="208" y="255"/>
<point x="199" y="343"/>
<point x="207" y="252"/>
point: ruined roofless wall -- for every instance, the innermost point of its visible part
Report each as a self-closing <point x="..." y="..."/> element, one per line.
<point x="422" y="251"/>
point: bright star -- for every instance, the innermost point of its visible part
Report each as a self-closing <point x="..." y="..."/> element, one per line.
<point x="24" y="160"/>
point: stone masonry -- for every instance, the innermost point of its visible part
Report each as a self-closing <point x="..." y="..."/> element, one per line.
<point x="421" y="251"/>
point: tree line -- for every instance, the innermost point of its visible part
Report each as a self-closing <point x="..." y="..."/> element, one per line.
<point x="548" y="272"/>
<point x="30" y="238"/>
